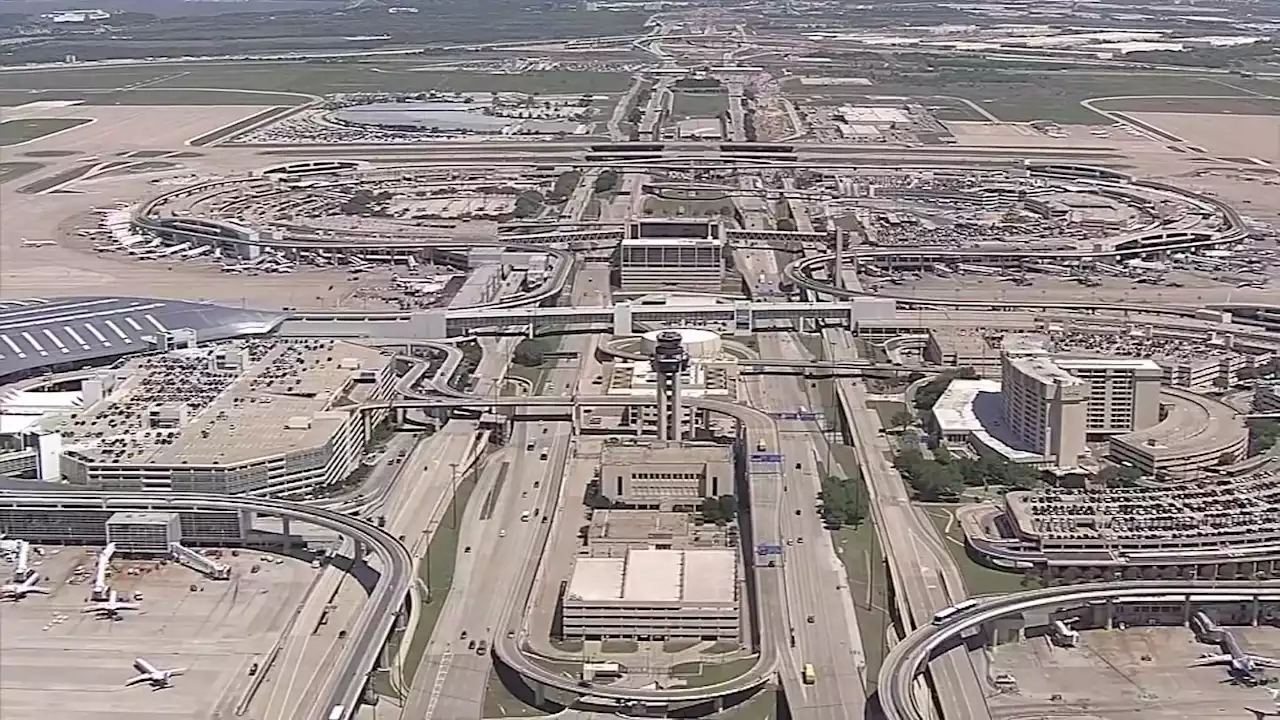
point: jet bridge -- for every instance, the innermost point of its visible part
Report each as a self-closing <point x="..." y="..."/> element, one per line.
<point x="205" y="566"/>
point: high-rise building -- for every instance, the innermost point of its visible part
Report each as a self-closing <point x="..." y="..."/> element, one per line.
<point x="1052" y="403"/>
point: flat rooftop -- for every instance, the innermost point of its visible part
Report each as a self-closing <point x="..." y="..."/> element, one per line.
<point x="637" y="524"/>
<point x="658" y="576"/>
<point x="659" y="452"/>
<point x="1194" y="424"/>
<point x="224" y="404"/>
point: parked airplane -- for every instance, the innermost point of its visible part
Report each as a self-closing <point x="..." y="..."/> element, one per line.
<point x="110" y="610"/>
<point x="159" y="679"/>
<point x="37" y="243"/>
<point x="18" y="591"/>
<point x="1243" y="667"/>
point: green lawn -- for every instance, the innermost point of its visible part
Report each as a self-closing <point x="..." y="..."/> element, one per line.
<point x="435" y="572"/>
<point x="978" y="579"/>
<point x="699" y="105"/>
<point x="863" y="560"/>
<point x="619" y="647"/>
<point x="500" y="703"/>
<point x="1017" y="95"/>
<point x="294" y="77"/>
<point x="1232" y="106"/>
<point x="13" y="132"/>
<point x="700" y="674"/>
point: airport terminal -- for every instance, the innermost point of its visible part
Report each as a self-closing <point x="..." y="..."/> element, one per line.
<point x="455" y="404"/>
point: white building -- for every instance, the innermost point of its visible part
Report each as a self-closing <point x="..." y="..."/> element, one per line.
<point x="655" y="595"/>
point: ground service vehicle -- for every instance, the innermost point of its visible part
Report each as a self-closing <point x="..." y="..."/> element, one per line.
<point x="807" y="673"/>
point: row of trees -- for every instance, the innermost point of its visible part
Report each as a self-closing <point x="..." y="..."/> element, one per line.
<point x="1263" y="435"/>
<point x="721" y="511"/>
<point x="945" y="477"/>
<point x="927" y="395"/>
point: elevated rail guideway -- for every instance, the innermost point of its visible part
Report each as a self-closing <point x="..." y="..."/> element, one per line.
<point x="912" y="654"/>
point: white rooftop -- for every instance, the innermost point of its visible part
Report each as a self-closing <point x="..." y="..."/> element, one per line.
<point x="658" y="576"/>
<point x="710" y="576"/>
<point x="972" y="406"/>
<point x="597" y="579"/>
<point x="653" y="575"/>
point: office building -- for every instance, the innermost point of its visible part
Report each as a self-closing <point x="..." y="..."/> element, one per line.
<point x="667" y="476"/>
<point x="655" y="595"/>
<point x="687" y="255"/>
<point x="1052" y="403"/>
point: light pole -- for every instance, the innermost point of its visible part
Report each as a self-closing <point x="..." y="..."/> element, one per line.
<point x="453" y="494"/>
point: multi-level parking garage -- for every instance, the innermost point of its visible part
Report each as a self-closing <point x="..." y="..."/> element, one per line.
<point x="1211" y="528"/>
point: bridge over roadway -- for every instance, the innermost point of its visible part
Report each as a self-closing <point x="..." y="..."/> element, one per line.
<point x="911" y="655"/>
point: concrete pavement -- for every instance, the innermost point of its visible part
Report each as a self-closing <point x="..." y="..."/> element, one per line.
<point x="814" y="578"/>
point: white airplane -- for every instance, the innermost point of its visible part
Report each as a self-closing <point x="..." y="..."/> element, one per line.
<point x="37" y="243"/>
<point x="17" y="591"/>
<point x="159" y="679"/>
<point x="111" y="608"/>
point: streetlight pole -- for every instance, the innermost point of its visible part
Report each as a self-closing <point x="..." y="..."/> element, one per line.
<point x="453" y="494"/>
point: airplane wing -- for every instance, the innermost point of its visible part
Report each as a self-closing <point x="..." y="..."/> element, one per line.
<point x="125" y="606"/>
<point x="1210" y="660"/>
<point x="177" y="671"/>
<point x="144" y="667"/>
<point x="1265" y="661"/>
<point x="138" y="679"/>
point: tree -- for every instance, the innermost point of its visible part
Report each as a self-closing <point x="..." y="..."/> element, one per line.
<point x="528" y="204"/>
<point x="606" y="181"/>
<point x="1122" y="476"/>
<point x="844" y="501"/>
<point x="719" y="510"/>
<point x="901" y="418"/>
<point x="528" y="353"/>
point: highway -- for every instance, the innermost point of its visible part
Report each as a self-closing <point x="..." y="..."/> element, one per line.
<point x="924" y="574"/>
<point x="814" y="576"/>
<point x="454" y="675"/>
<point x="360" y="656"/>
<point x="909" y="657"/>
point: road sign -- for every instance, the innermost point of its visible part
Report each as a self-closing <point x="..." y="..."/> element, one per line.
<point x="768" y="549"/>
<point x="803" y="417"/>
<point x="766" y="458"/>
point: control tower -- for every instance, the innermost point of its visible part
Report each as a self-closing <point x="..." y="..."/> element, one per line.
<point x="669" y="362"/>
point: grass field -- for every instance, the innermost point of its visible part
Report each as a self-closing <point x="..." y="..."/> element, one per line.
<point x="863" y="560"/>
<point x="14" y="170"/>
<point x="979" y="580"/>
<point x="190" y="84"/>
<point x="13" y="132"/>
<point x="700" y="674"/>
<point x="1019" y="96"/>
<point x="500" y="703"/>
<point x="435" y="572"/>
<point x="1233" y="105"/>
<point x="698" y="105"/>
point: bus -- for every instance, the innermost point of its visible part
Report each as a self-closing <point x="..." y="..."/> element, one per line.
<point x="942" y="616"/>
<point x="810" y="677"/>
